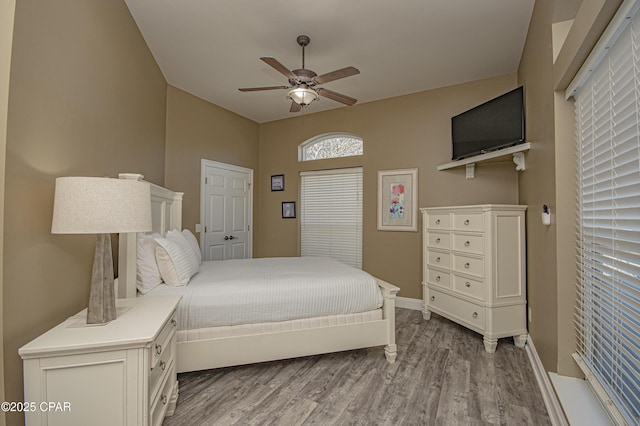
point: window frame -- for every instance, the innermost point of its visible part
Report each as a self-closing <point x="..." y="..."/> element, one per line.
<point x="324" y="137"/>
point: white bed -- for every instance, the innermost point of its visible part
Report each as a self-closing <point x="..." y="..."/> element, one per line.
<point x="223" y="343"/>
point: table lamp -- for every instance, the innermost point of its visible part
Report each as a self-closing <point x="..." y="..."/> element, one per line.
<point x="94" y="205"/>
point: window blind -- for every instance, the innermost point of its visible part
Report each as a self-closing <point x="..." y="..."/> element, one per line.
<point x="331" y="215"/>
<point x="608" y="146"/>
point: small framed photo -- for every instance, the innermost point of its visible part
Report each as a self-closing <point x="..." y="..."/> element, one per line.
<point x="277" y="183"/>
<point x="398" y="200"/>
<point x="288" y="209"/>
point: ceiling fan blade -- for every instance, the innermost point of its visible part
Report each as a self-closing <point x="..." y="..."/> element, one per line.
<point x="295" y="107"/>
<point x="257" y="89"/>
<point x="273" y="62"/>
<point x="338" y="74"/>
<point x="347" y="100"/>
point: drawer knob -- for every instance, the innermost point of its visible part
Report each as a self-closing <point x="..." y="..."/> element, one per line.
<point x="438" y="278"/>
<point x="437" y="221"/>
<point x="164" y="399"/>
<point x="174" y="322"/>
<point x="466" y="265"/>
<point x="433" y="298"/>
<point x="466" y="243"/>
<point x="158" y="349"/>
<point x="437" y="240"/>
<point x="466" y="222"/>
<point x="468" y="284"/>
<point x="163" y="365"/>
<point x="438" y="259"/>
<point x="475" y="315"/>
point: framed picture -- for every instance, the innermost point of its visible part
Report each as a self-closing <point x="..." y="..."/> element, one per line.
<point x="288" y="209"/>
<point x="398" y="200"/>
<point x="277" y="183"/>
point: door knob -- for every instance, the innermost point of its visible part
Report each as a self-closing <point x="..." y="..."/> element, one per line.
<point x="229" y="237"/>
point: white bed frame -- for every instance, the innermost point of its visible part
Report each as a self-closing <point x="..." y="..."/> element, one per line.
<point x="166" y="207"/>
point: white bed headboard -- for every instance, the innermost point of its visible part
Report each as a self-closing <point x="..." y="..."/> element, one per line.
<point x="166" y="214"/>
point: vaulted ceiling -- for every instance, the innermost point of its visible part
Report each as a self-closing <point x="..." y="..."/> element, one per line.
<point x="210" y="48"/>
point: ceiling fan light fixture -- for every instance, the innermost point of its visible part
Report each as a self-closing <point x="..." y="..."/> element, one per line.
<point x="302" y="95"/>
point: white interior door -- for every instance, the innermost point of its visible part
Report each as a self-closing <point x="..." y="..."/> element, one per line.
<point x="226" y="210"/>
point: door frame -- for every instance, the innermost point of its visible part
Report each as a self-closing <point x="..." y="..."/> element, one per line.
<point x="230" y="167"/>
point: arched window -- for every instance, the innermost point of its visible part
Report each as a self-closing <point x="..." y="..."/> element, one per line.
<point x="330" y="145"/>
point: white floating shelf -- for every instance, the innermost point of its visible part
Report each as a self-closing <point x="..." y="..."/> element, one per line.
<point x="516" y="151"/>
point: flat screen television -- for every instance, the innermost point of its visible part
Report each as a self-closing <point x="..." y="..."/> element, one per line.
<point x="495" y="124"/>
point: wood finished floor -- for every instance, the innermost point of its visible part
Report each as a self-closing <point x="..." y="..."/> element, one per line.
<point x="442" y="376"/>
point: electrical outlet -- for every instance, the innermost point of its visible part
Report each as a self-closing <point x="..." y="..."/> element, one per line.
<point x="529" y="314"/>
<point x="198" y="227"/>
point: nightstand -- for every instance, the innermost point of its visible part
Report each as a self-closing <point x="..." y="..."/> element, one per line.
<point x="121" y="373"/>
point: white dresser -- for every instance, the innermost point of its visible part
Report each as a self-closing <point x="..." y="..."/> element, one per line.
<point x="121" y="373"/>
<point x="474" y="269"/>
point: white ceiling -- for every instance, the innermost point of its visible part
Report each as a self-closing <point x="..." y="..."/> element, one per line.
<point x="210" y="48"/>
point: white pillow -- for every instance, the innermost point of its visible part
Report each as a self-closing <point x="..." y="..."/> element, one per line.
<point x="193" y="243"/>
<point x="147" y="273"/>
<point x="176" y="260"/>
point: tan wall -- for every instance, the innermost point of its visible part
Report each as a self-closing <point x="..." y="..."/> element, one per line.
<point x="537" y="183"/>
<point x="196" y="130"/>
<point x="86" y="98"/>
<point x="403" y="132"/>
<point x="7" y="11"/>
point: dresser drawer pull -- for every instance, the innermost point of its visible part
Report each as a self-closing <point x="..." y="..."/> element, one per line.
<point x="466" y="222"/>
<point x="437" y="240"/>
<point x="437" y="221"/>
<point x="163" y="365"/>
<point x="174" y="322"/>
<point x="475" y="315"/>
<point x="438" y="259"/>
<point x="158" y="349"/>
<point x="466" y="265"/>
<point x="438" y="278"/>
<point x="433" y="298"/>
<point x="164" y="399"/>
<point x="468" y="284"/>
<point x="466" y="243"/>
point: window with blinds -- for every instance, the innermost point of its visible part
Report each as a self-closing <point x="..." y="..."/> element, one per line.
<point x="331" y="215"/>
<point x="608" y="146"/>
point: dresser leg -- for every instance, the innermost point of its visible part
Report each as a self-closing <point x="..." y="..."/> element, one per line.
<point x="520" y="340"/>
<point x="391" y="352"/>
<point x="490" y="344"/>
<point x="426" y="314"/>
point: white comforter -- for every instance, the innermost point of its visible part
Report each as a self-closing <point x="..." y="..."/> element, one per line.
<point x="249" y="291"/>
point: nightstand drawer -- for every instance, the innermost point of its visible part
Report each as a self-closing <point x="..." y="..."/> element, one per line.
<point x="468" y="221"/>
<point x="439" y="221"/>
<point x="161" y="403"/>
<point x="459" y="309"/>
<point x="163" y="341"/>
<point x="469" y="287"/>
<point x="439" y="259"/>
<point x="440" y="240"/>
<point x="438" y="278"/>
<point x="161" y="369"/>
<point x="468" y="243"/>
<point x="468" y="265"/>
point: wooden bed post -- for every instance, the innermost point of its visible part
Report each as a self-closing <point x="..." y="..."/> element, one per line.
<point x="389" y="313"/>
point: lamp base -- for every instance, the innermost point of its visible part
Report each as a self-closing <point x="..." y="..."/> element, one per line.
<point x="102" y="299"/>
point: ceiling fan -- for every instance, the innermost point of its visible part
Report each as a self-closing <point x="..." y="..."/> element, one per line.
<point x="303" y="82"/>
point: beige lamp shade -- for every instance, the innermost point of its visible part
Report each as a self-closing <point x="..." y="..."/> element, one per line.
<point x="94" y="205"/>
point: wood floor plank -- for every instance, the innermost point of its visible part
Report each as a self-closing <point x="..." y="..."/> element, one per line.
<point x="442" y="376"/>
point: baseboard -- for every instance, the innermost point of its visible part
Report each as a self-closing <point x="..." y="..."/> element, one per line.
<point x="409" y="303"/>
<point x="551" y="401"/>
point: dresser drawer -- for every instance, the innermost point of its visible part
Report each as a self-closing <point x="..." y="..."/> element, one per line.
<point x="460" y="310"/>
<point x="160" y="404"/>
<point x="468" y="287"/>
<point x="438" y="278"/>
<point x="163" y="341"/>
<point x="468" y="265"/>
<point x="468" y="221"/>
<point x="440" y="240"/>
<point x="161" y="369"/>
<point x="468" y="243"/>
<point x="438" y="221"/>
<point x="439" y="259"/>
